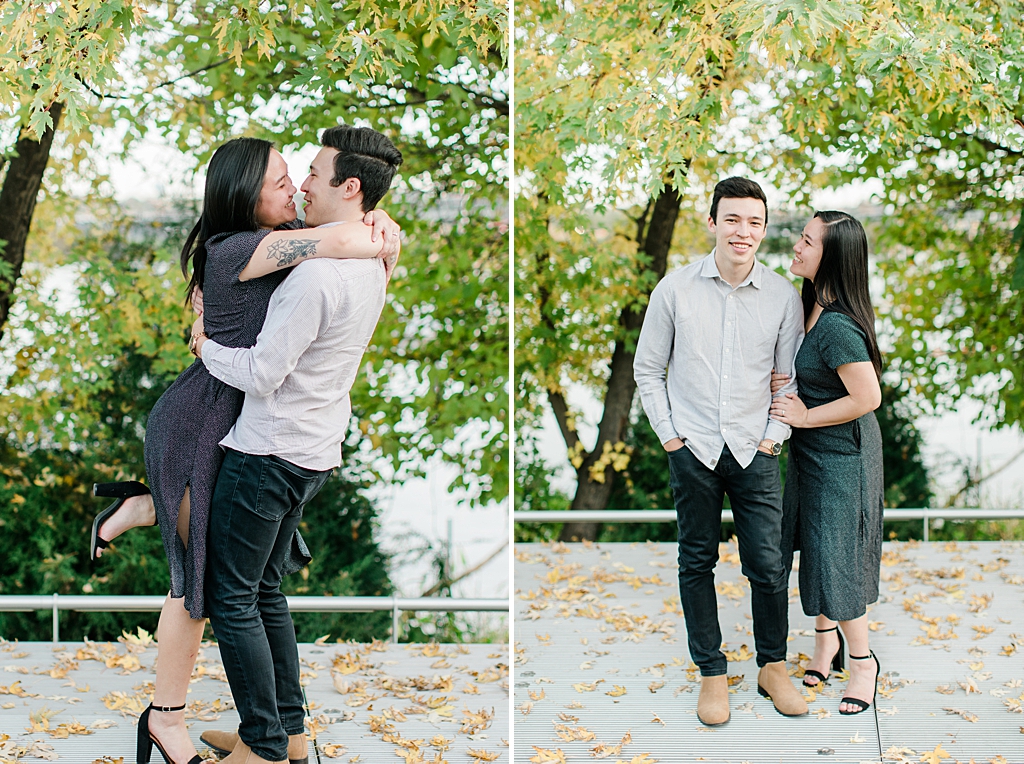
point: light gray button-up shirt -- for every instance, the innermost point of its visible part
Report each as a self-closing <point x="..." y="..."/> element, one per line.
<point x="706" y="352"/>
<point x="297" y="376"/>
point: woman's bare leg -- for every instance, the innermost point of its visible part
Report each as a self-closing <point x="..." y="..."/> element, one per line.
<point x="862" y="673"/>
<point x="178" y="637"/>
<point x="825" y="645"/>
<point x="136" y="511"/>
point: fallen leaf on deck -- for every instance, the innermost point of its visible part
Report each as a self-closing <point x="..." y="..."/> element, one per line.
<point x="545" y="756"/>
<point x="602" y="751"/>
<point x="966" y="715"/>
<point x="743" y="654"/>
<point x="936" y="756"/>
<point x="476" y="721"/>
<point x="899" y="753"/>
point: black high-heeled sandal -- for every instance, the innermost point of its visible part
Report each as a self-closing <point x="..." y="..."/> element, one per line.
<point x="146" y="739"/>
<point x="120" y="491"/>
<point x="857" y="701"/>
<point x="837" y="660"/>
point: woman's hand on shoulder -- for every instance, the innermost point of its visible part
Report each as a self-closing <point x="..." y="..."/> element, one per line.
<point x="387" y="230"/>
<point x="789" y="409"/>
<point x="391" y="261"/>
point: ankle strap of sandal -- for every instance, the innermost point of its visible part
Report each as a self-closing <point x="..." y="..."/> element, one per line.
<point x="167" y="709"/>
<point x="826" y="631"/>
<point x="867" y="657"/>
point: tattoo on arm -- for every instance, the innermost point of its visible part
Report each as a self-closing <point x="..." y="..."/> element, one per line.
<point x="287" y="251"/>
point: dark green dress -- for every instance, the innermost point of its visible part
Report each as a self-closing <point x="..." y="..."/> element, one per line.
<point x="834" y="487"/>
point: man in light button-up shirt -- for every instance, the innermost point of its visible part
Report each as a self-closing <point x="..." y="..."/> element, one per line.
<point x="712" y="334"/>
<point x="286" y="442"/>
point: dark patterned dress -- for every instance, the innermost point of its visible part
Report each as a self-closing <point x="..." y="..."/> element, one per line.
<point x="197" y="411"/>
<point x="834" y="486"/>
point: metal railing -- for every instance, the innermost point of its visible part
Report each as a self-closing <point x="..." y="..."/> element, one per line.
<point x="925" y="514"/>
<point x="151" y="604"/>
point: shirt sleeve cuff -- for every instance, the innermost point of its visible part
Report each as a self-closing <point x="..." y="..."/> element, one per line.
<point x="209" y="349"/>
<point x="665" y="432"/>
<point x="777" y="431"/>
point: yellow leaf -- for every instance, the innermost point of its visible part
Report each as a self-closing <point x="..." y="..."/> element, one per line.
<point x="545" y="756"/>
<point x="617" y="691"/>
<point x="936" y="756"/>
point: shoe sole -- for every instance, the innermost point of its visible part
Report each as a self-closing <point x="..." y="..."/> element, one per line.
<point x="764" y="694"/>
<point x="222" y="752"/>
<point x="713" y="724"/>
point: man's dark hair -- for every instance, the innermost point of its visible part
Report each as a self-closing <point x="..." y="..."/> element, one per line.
<point x="738" y="188"/>
<point x="365" y="154"/>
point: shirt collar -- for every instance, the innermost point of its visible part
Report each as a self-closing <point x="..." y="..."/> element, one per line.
<point x="709" y="269"/>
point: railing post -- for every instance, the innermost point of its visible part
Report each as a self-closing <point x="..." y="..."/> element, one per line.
<point x="927" y="525"/>
<point x="56" y="620"/>
<point x="394" y="619"/>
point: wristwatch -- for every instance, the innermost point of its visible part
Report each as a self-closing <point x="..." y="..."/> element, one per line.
<point x="771" y="445"/>
<point x="194" y="341"/>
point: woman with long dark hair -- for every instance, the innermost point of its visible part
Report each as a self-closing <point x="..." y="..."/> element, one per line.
<point x="834" y="487"/>
<point x="238" y="259"/>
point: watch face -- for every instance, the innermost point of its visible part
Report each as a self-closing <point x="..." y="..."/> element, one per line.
<point x="776" y="448"/>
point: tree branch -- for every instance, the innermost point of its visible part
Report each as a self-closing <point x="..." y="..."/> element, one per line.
<point x="561" y="411"/>
<point x="979" y="480"/>
<point x="441" y="584"/>
<point x="185" y="76"/>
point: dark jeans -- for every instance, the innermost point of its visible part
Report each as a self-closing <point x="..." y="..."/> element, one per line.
<point x="756" y="497"/>
<point x="256" y="507"/>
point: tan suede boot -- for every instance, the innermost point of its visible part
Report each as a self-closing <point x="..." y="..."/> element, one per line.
<point x="226" y="743"/>
<point x="220" y="741"/>
<point x="773" y="682"/>
<point x="713" y="703"/>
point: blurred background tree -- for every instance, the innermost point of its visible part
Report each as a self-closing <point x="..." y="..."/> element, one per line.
<point x="661" y="102"/>
<point x="91" y="301"/>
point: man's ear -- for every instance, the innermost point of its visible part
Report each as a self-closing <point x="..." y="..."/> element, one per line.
<point x="351" y="188"/>
<point x="711" y="224"/>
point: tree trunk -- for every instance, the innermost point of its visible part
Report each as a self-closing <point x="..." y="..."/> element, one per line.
<point x="591" y="494"/>
<point x="18" y="203"/>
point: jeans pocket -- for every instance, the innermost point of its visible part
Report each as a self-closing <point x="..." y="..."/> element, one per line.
<point x="281" y="490"/>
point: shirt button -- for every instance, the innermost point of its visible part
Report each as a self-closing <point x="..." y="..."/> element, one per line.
<point x="725" y="376"/>
<point x="723" y="403"/>
<point x="714" y="462"/>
